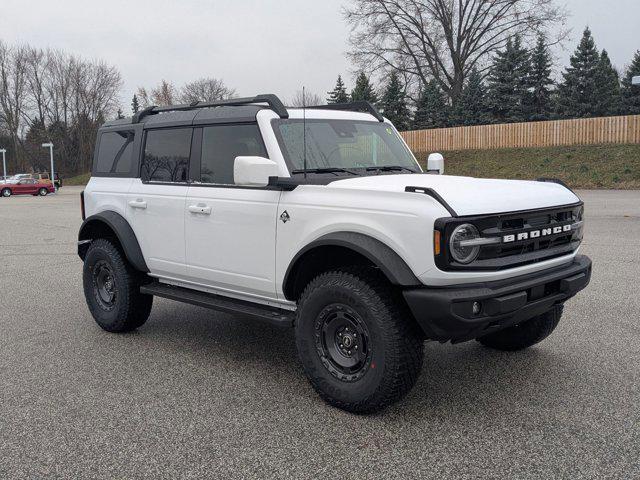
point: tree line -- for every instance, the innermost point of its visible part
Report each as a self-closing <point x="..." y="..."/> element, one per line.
<point x="517" y="85"/>
<point x="50" y="95"/>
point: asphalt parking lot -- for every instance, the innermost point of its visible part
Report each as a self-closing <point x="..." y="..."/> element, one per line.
<point x="195" y="393"/>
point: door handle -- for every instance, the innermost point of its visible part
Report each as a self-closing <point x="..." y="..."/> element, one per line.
<point x="138" y="204"/>
<point x="201" y="209"/>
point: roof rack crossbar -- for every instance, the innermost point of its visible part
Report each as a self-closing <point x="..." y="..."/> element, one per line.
<point x="272" y="100"/>
<point x="360" y="106"/>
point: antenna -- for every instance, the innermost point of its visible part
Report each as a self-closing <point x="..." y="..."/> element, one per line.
<point x="304" y="133"/>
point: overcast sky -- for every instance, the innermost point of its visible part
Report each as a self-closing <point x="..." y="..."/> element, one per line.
<point x="255" y="46"/>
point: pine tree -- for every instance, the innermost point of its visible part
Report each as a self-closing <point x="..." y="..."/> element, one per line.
<point x="539" y="104"/>
<point x="508" y="83"/>
<point x="394" y="103"/>
<point x="363" y="90"/>
<point x="135" y="105"/>
<point x="631" y="93"/>
<point x="472" y="108"/>
<point x="339" y="93"/>
<point x="607" y="88"/>
<point x="577" y="94"/>
<point x="432" y="110"/>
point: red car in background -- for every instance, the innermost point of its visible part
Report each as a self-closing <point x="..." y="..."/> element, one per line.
<point x="26" y="186"/>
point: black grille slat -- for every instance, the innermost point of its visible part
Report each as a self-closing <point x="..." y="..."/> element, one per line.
<point x="503" y="255"/>
<point x="534" y="221"/>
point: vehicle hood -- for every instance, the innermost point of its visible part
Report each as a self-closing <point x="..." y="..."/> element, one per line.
<point x="471" y="196"/>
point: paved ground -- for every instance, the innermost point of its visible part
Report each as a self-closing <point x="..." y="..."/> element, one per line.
<point x="196" y="394"/>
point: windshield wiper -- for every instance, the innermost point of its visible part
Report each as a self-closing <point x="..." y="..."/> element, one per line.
<point x="389" y="168"/>
<point x="325" y="170"/>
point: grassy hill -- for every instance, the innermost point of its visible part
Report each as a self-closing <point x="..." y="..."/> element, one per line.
<point x="585" y="166"/>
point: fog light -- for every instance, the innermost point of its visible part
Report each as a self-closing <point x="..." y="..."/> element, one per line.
<point x="477" y="308"/>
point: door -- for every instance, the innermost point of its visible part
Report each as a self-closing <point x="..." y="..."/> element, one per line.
<point x="25" y="187"/>
<point x="230" y="231"/>
<point x="156" y="201"/>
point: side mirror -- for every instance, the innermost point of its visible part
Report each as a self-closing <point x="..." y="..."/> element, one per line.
<point x="254" y="171"/>
<point x="435" y="163"/>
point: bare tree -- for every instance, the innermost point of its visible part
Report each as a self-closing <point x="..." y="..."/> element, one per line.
<point x="144" y="98"/>
<point x="37" y="72"/>
<point x="442" y="39"/>
<point x="163" y="94"/>
<point x="50" y="95"/>
<point x="206" y="90"/>
<point x="13" y="85"/>
<point x="308" y="100"/>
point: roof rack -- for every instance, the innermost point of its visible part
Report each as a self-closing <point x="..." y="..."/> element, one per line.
<point x="360" y="106"/>
<point x="272" y="100"/>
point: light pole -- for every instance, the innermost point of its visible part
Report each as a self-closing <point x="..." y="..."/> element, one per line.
<point x="50" y="147"/>
<point x="4" y="164"/>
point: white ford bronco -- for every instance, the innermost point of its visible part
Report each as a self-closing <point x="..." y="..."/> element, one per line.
<point x="321" y="219"/>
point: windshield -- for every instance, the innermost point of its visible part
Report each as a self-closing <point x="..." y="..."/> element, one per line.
<point x="344" y="145"/>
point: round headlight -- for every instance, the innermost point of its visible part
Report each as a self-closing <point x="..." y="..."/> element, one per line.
<point x="464" y="253"/>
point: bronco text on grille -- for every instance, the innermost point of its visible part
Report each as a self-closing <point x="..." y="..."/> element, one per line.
<point x="514" y="239"/>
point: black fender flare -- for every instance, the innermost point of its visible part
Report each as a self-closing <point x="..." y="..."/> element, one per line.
<point x="123" y="232"/>
<point x="377" y="252"/>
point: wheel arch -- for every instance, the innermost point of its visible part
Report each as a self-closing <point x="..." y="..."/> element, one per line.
<point x="333" y="250"/>
<point x="109" y="224"/>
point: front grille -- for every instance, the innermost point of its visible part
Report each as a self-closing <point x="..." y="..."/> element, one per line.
<point x="519" y="251"/>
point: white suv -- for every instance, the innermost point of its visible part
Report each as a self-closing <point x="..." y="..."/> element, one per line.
<point x="321" y="219"/>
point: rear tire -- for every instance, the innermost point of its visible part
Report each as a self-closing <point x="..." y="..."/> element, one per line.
<point x="112" y="289"/>
<point x="358" y="344"/>
<point x="6" y="192"/>
<point x="526" y="334"/>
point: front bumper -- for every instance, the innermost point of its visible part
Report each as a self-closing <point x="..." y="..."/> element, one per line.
<point x="446" y="313"/>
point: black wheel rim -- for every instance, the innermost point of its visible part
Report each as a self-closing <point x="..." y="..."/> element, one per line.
<point x="342" y="342"/>
<point x="104" y="285"/>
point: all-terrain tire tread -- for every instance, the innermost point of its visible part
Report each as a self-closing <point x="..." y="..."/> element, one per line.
<point x="405" y="342"/>
<point x="135" y="307"/>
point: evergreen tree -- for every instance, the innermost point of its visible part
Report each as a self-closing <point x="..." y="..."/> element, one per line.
<point x="631" y="93"/>
<point x="394" y="103"/>
<point x="472" y="108"/>
<point x="607" y="88"/>
<point x="539" y="104"/>
<point x="508" y="83"/>
<point x="135" y="105"/>
<point x="363" y="90"/>
<point x="577" y="94"/>
<point x="339" y="93"/>
<point x="432" y="110"/>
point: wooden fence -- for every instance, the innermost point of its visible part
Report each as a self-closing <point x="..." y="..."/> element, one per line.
<point x="583" y="131"/>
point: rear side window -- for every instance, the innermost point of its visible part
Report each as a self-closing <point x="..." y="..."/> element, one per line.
<point x="221" y="145"/>
<point x="166" y="155"/>
<point x="115" y="153"/>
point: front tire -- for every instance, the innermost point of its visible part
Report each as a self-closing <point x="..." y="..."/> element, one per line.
<point x="112" y="289"/>
<point x="43" y="192"/>
<point x="6" y="192"/>
<point x="358" y="344"/>
<point x="526" y="334"/>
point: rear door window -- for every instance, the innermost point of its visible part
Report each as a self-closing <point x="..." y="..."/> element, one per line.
<point x="166" y="155"/>
<point x="115" y="153"/>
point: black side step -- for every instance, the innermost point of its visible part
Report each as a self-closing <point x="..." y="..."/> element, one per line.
<point x="275" y="316"/>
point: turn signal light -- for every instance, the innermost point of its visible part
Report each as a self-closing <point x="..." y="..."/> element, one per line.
<point x="436" y="242"/>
